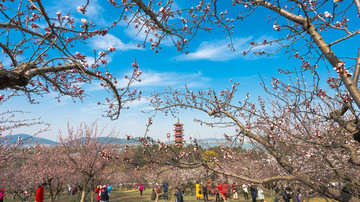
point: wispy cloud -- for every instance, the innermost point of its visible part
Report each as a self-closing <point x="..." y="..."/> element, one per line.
<point x="109" y="40"/>
<point x="153" y="80"/>
<point x="173" y="79"/>
<point x="94" y="11"/>
<point x="219" y="50"/>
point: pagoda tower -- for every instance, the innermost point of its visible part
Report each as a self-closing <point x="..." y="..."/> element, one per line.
<point x="178" y="136"/>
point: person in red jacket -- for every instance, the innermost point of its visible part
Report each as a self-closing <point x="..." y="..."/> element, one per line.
<point x="219" y="192"/>
<point x="225" y="190"/>
<point x="40" y="193"/>
<point x="97" y="192"/>
<point x="234" y="190"/>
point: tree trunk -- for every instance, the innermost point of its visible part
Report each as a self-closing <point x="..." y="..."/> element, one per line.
<point x="83" y="193"/>
<point x="92" y="197"/>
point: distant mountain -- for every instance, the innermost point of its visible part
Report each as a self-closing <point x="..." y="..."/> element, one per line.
<point x="211" y="139"/>
<point x="34" y="140"/>
<point x="206" y="142"/>
<point x="45" y="141"/>
<point x="117" y="140"/>
<point x="214" y="142"/>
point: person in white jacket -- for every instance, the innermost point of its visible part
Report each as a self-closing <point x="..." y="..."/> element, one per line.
<point x="260" y="195"/>
<point x="245" y="191"/>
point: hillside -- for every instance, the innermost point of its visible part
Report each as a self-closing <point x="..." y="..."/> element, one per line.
<point x="34" y="140"/>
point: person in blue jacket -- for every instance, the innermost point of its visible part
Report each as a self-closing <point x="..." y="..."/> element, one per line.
<point x="104" y="194"/>
<point x="109" y="189"/>
<point x="253" y="191"/>
<point x="165" y="187"/>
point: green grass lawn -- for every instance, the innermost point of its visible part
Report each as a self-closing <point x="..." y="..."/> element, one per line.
<point x="134" y="196"/>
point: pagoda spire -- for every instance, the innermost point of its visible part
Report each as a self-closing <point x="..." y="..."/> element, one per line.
<point x="178" y="134"/>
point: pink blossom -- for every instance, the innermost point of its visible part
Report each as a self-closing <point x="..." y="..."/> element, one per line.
<point x="111" y="49"/>
<point x="102" y="53"/>
<point x="327" y="14"/>
<point x="276" y="27"/>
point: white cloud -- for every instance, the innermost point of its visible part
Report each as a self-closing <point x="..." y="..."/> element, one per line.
<point x="109" y="40"/>
<point x="138" y="103"/>
<point x="173" y="79"/>
<point x="94" y="11"/>
<point x="153" y="80"/>
<point x="219" y="50"/>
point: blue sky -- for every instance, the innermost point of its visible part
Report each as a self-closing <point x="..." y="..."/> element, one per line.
<point x="209" y="64"/>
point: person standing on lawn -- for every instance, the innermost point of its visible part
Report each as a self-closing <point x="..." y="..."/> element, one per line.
<point x="165" y="187"/>
<point x="205" y="192"/>
<point x="183" y="189"/>
<point x="2" y="194"/>
<point x="234" y="190"/>
<point x="245" y="191"/>
<point x="153" y="195"/>
<point x="210" y="188"/>
<point x="254" y="192"/>
<point x="109" y="189"/>
<point x="39" y="197"/>
<point x="97" y="192"/>
<point x="178" y="195"/>
<point x="260" y="195"/>
<point x="69" y="191"/>
<point x="219" y="192"/>
<point x="198" y="190"/>
<point x="104" y="194"/>
<point x="225" y="190"/>
<point x="141" y="188"/>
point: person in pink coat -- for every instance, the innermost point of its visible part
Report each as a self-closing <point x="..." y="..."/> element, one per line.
<point x="141" y="188"/>
<point x="2" y="195"/>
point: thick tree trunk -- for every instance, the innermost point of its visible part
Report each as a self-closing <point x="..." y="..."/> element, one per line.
<point x="9" y="79"/>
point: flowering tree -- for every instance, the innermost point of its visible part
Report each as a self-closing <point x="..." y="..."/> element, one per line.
<point x="40" y="56"/>
<point x="302" y="127"/>
<point x="50" y="166"/>
<point x="13" y="149"/>
<point x="296" y="133"/>
<point x="34" y="167"/>
<point x="83" y="147"/>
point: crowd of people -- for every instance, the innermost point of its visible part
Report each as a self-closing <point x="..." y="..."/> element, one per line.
<point x="161" y="190"/>
<point x="224" y="191"/>
<point x="221" y="191"/>
<point x="103" y="193"/>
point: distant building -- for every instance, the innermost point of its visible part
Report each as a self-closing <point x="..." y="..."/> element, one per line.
<point x="178" y="136"/>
